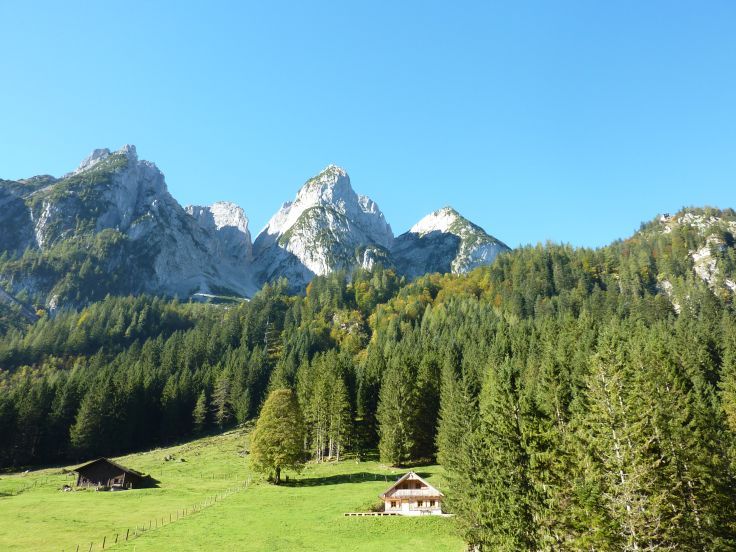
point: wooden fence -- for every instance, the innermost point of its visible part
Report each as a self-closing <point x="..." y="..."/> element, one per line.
<point x="130" y="533"/>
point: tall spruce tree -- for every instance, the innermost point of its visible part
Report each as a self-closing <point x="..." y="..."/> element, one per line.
<point x="622" y="454"/>
<point x="199" y="415"/>
<point x="397" y="410"/>
<point x="506" y="483"/>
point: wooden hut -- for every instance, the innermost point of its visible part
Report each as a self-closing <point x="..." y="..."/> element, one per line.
<point x="412" y="496"/>
<point x="104" y="473"/>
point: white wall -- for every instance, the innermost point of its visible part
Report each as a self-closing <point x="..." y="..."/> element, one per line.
<point x="409" y="508"/>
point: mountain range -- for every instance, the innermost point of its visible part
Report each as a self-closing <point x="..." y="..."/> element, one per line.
<point x="112" y="227"/>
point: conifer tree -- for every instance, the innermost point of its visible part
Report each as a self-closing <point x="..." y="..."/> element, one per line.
<point x="339" y="418"/>
<point x="92" y="429"/>
<point x="397" y="411"/>
<point x="506" y="483"/>
<point x="457" y="409"/>
<point x="222" y="399"/>
<point x="622" y="453"/>
<point x="199" y="415"/>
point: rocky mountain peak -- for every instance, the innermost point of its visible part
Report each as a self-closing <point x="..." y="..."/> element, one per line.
<point x="227" y="214"/>
<point x="101" y="154"/>
<point x="441" y="220"/>
<point x="331" y="187"/>
<point x="129" y="151"/>
<point x="228" y="224"/>
<point x="322" y="230"/>
<point x="92" y="159"/>
<point x="219" y="215"/>
<point x="444" y="241"/>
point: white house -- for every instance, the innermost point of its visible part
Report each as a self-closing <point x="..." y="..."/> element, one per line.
<point x="412" y="496"/>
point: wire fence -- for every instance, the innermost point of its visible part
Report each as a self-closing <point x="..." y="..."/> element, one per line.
<point x="130" y="533"/>
<point x="28" y="486"/>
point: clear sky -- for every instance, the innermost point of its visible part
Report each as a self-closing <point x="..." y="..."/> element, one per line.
<point x="552" y="120"/>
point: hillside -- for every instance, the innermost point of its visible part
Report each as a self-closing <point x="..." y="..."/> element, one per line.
<point x="542" y="375"/>
<point x="249" y="514"/>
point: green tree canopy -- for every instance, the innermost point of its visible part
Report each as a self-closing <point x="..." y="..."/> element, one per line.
<point x="277" y="442"/>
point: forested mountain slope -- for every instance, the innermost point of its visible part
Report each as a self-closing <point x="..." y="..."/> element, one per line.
<point x="577" y="399"/>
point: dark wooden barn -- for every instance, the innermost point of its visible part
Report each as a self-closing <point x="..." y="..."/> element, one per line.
<point x="108" y="474"/>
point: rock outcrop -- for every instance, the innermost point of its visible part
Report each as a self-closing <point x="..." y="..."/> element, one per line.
<point x="444" y="241"/>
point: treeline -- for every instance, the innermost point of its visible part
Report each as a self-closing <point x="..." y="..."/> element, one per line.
<point x="575" y="401"/>
<point x="134" y="372"/>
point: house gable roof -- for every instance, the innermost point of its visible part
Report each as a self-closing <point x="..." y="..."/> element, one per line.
<point x="107" y="460"/>
<point x="413" y="476"/>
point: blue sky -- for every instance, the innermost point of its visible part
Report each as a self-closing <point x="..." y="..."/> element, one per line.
<point x="564" y="121"/>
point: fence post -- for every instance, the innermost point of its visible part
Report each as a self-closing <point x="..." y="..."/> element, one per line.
<point x="104" y="539"/>
<point x="127" y="532"/>
<point x="90" y="547"/>
<point x="116" y="538"/>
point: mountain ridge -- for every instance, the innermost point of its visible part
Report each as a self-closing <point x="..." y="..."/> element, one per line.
<point x="112" y="225"/>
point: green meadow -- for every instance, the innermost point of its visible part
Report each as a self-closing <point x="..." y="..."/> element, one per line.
<point x="215" y="502"/>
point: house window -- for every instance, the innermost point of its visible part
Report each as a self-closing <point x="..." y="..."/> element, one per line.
<point x="420" y="503"/>
<point x="431" y="503"/>
<point x="393" y="504"/>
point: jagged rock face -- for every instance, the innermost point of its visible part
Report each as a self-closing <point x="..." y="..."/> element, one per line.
<point x="162" y="249"/>
<point x="228" y="223"/>
<point x="327" y="227"/>
<point x="16" y="228"/>
<point x="444" y="241"/>
<point x="111" y="226"/>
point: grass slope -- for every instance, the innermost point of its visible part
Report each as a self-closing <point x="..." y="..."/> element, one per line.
<point x="305" y="515"/>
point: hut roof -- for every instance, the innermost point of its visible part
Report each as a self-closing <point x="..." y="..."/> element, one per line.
<point x="430" y="491"/>
<point x="119" y="466"/>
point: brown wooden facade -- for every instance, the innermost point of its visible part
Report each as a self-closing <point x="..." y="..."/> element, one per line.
<point x="104" y="473"/>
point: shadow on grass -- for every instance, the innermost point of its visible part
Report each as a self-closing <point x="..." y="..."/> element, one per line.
<point x="149" y="482"/>
<point x="343" y="478"/>
<point x="339" y="479"/>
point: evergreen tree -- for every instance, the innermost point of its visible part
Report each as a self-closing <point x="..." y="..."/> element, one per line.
<point x="397" y="412"/>
<point x="93" y="430"/>
<point x="622" y="455"/>
<point x="222" y="399"/>
<point x="199" y="415"/>
<point x="504" y="480"/>
<point x="339" y="418"/>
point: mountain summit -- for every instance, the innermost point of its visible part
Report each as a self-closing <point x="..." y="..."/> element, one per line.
<point x="111" y="226"/>
<point x="444" y="241"/>
<point x="327" y="227"/>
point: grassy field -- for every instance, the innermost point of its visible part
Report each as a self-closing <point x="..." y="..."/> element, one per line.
<point x="306" y="514"/>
